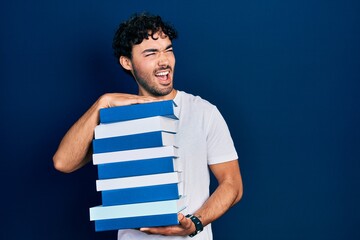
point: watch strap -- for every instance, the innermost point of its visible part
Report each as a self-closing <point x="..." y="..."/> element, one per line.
<point x="198" y="224"/>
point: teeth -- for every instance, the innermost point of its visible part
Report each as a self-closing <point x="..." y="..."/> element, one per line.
<point x="162" y="73"/>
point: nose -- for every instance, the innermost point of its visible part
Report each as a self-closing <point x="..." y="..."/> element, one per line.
<point x="163" y="59"/>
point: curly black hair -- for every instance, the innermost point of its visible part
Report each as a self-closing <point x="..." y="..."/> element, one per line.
<point x="136" y="29"/>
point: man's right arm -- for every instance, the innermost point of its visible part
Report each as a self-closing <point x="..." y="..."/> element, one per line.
<point x="75" y="149"/>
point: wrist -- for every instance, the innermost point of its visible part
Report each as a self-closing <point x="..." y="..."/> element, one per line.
<point x="104" y="101"/>
<point x="197" y="223"/>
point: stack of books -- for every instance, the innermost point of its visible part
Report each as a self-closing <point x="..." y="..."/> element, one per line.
<point x="136" y="155"/>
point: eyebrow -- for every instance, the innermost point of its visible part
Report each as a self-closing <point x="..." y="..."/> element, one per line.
<point x="150" y="50"/>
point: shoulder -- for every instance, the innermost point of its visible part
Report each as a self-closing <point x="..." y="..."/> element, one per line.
<point x="193" y="101"/>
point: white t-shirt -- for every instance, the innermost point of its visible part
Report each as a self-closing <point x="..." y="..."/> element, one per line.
<point x="203" y="139"/>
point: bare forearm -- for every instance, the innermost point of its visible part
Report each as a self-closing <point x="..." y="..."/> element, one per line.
<point x="75" y="148"/>
<point x="227" y="194"/>
<point x="224" y="197"/>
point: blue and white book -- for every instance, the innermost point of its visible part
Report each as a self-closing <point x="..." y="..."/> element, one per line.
<point x="138" y="167"/>
<point x="143" y="125"/>
<point x="136" y="222"/>
<point x="137" y="111"/>
<point x="137" y="209"/>
<point x="135" y="154"/>
<point x="138" y="181"/>
<point x="142" y="194"/>
<point x="136" y="141"/>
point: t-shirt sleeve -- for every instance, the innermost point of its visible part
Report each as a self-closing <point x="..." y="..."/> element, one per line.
<point x="220" y="146"/>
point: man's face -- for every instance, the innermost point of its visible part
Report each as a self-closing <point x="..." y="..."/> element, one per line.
<point x="152" y="64"/>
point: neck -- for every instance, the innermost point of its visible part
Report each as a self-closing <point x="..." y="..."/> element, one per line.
<point x="169" y="96"/>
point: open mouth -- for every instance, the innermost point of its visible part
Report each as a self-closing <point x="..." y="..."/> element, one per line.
<point x="163" y="76"/>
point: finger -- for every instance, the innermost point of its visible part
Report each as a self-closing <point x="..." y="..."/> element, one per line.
<point x="157" y="230"/>
<point x="141" y="99"/>
<point x="129" y="101"/>
<point x="145" y="230"/>
<point x="185" y="222"/>
<point x="121" y="99"/>
<point x="167" y="231"/>
<point x="145" y="99"/>
<point x="181" y="218"/>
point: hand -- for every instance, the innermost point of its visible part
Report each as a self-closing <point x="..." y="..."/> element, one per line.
<point x="121" y="99"/>
<point x="186" y="227"/>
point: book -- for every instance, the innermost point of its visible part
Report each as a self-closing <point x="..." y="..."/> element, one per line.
<point x="135" y="154"/>
<point x="138" y="181"/>
<point x="137" y="209"/>
<point x="136" y="222"/>
<point x="136" y="141"/>
<point x="137" y="111"/>
<point x="138" y="167"/>
<point x="142" y="194"/>
<point x="143" y="125"/>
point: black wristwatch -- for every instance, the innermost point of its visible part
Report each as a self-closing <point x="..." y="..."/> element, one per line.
<point x="198" y="224"/>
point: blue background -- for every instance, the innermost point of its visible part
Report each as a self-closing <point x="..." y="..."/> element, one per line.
<point x="285" y="75"/>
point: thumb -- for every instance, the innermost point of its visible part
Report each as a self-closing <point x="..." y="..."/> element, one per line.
<point x="181" y="217"/>
<point x="185" y="222"/>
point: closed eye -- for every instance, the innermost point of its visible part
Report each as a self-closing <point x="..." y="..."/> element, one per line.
<point x="169" y="48"/>
<point x="149" y="54"/>
<point x="153" y="51"/>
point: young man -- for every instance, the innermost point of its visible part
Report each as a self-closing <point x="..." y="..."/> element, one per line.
<point x="143" y="46"/>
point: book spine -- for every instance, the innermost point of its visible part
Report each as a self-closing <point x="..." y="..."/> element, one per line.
<point x="141" y="194"/>
<point x="136" y="222"/>
<point x="136" y="168"/>
<point x="136" y="141"/>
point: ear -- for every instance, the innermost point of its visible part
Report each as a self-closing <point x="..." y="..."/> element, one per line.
<point x="125" y="63"/>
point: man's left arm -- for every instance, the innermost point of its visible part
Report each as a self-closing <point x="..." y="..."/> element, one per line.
<point x="227" y="194"/>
